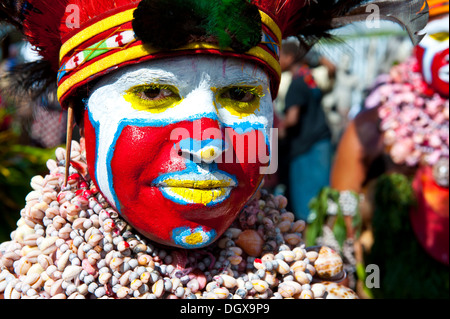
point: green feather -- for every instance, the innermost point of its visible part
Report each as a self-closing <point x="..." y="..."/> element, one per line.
<point x="226" y="23"/>
<point x="229" y="23"/>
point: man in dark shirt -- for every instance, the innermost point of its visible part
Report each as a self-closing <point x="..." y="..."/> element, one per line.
<point x="307" y="131"/>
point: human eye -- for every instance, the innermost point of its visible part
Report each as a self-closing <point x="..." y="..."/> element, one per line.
<point x="240" y="100"/>
<point x="154" y="98"/>
<point x="239" y="94"/>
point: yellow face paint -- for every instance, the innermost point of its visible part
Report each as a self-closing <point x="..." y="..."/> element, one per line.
<point x="154" y="98"/>
<point x="194" y="239"/>
<point x="207" y="184"/>
<point x="199" y="196"/>
<point x="208" y="154"/>
<point x="240" y="101"/>
<point x="440" y="36"/>
<point x="197" y="191"/>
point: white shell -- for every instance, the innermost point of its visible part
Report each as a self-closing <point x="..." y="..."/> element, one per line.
<point x="286" y="290"/>
<point x="283" y="268"/>
<point x="158" y="288"/>
<point x="318" y="290"/>
<point x="71" y="272"/>
<point x="328" y="264"/>
<point x="228" y="281"/>
<point x="260" y="286"/>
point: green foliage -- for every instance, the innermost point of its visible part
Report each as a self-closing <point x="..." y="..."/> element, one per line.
<point x="407" y="271"/>
<point x="18" y="164"/>
<point x="318" y="217"/>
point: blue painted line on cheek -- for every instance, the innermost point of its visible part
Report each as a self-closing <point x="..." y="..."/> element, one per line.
<point x="109" y="157"/>
<point x="96" y="126"/>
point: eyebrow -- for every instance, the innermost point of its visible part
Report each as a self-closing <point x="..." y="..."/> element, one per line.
<point x="147" y="76"/>
<point x="239" y="77"/>
<point x="244" y="78"/>
<point x="249" y="76"/>
<point x="247" y="81"/>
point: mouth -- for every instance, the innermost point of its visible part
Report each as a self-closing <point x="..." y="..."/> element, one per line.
<point x="206" y="188"/>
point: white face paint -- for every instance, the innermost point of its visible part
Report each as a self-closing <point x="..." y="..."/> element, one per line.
<point x="433" y="53"/>
<point x="196" y="78"/>
<point x="213" y="92"/>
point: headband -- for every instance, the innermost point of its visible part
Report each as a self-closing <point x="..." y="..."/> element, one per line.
<point x="111" y="42"/>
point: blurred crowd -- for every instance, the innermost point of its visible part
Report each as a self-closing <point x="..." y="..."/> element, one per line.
<point x="363" y="142"/>
<point x="39" y="122"/>
<point x="30" y="130"/>
<point x="320" y="94"/>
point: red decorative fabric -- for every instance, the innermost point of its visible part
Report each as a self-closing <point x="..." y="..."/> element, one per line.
<point x="430" y="219"/>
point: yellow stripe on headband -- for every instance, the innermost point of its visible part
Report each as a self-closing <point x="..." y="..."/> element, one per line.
<point x="272" y="25"/>
<point x="438" y="7"/>
<point x="140" y="51"/>
<point x="127" y="16"/>
<point x="93" y="30"/>
<point x="435" y="2"/>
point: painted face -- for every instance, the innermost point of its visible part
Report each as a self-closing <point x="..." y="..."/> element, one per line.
<point x="433" y="55"/>
<point x="177" y="145"/>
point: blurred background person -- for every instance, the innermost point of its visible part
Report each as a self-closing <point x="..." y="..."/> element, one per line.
<point x="396" y="153"/>
<point x="305" y="133"/>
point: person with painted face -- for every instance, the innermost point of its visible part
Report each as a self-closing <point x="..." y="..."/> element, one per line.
<point x="396" y="153"/>
<point x="433" y="51"/>
<point x="173" y="97"/>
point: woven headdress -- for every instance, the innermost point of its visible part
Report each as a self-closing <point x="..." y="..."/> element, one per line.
<point x="80" y="40"/>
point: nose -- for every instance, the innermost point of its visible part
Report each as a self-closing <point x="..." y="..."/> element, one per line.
<point x="207" y="144"/>
<point x="202" y="151"/>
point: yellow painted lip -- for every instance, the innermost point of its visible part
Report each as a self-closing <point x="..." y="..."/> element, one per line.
<point x="206" y="189"/>
<point x="186" y="195"/>
<point x="197" y="184"/>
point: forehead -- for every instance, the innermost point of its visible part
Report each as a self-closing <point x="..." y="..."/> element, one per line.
<point x="437" y="25"/>
<point x="188" y="71"/>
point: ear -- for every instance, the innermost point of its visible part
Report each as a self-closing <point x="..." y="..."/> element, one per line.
<point x="82" y="138"/>
<point x="81" y="129"/>
<point x="82" y="144"/>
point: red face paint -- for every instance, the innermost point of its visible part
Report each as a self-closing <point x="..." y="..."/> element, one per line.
<point x="440" y="61"/>
<point x="143" y="154"/>
<point x="433" y="58"/>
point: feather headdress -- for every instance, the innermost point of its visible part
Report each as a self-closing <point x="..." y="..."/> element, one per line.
<point x="81" y="40"/>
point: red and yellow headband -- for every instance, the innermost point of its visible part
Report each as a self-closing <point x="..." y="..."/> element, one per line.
<point x="109" y="43"/>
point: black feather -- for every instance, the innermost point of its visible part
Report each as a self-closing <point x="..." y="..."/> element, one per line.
<point x="315" y="20"/>
<point x="9" y="13"/>
<point x="166" y="24"/>
<point x="411" y="15"/>
<point x="33" y="79"/>
<point x="170" y="24"/>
